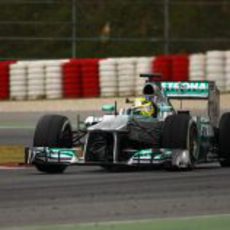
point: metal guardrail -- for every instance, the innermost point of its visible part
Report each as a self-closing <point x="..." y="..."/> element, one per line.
<point x="107" y="39"/>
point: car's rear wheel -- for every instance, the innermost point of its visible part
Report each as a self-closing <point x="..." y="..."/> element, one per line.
<point x="180" y="132"/>
<point x="223" y="138"/>
<point x="52" y="131"/>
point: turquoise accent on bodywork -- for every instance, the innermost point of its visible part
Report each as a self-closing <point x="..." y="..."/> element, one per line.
<point x="58" y="153"/>
<point x="109" y="108"/>
<point x="153" y="154"/>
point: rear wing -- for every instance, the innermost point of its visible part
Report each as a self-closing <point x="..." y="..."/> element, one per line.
<point x="187" y="90"/>
<point x="199" y="90"/>
<point x="194" y="90"/>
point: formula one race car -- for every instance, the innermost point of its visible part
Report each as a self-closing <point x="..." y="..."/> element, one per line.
<point x="147" y="134"/>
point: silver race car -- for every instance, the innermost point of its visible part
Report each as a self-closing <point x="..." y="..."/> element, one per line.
<point x="149" y="133"/>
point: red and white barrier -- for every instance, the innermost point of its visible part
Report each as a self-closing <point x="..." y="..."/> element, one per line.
<point x="77" y="78"/>
<point x="90" y="77"/>
<point x="18" y="81"/>
<point x="4" y="80"/>
<point x="72" y="86"/>
<point x="163" y="65"/>
<point x="180" y="68"/>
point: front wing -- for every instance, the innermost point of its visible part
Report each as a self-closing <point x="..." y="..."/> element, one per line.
<point x="147" y="157"/>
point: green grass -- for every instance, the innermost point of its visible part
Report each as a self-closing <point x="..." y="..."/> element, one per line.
<point x="221" y="222"/>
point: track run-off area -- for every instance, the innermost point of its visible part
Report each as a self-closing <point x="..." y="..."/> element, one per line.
<point x="199" y="199"/>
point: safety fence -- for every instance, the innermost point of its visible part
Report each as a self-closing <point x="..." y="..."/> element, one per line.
<point x="111" y="77"/>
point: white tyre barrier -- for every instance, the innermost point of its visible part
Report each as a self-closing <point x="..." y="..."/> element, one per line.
<point x="104" y="76"/>
<point x="36" y="80"/>
<point x="52" y="81"/>
<point x="36" y="76"/>
<point x="197" y="74"/>
<point x="215" y="68"/>
<point x="108" y="77"/>
<point x="108" y="89"/>
<point x="54" y="94"/>
<point x="109" y="84"/>
<point x="197" y="58"/>
<point x="108" y="94"/>
<point x="53" y="78"/>
<point x="215" y="62"/>
<point x="126" y="76"/>
<point x="17" y="89"/>
<point x="18" y="81"/>
<point x="227" y="54"/>
<point x="197" y="63"/>
<point x="17" y="78"/>
<point x="227" y="70"/>
<point x="16" y="71"/>
<point x="143" y="66"/>
<point x="36" y="87"/>
<point x="196" y="67"/>
<point x="107" y="66"/>
<point x="51" y="75"/>
<point x="215" y="54"/>
<point x="54" y="87"/>
<point x="216" y="77"/>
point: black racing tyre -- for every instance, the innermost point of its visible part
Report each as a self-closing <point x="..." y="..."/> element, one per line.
<point x="53" y="131"/>
<point x="223" y="140"/>
<point x="180" y="132"/>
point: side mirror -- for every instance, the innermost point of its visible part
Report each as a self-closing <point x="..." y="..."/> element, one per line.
<point x="109" y="108"/>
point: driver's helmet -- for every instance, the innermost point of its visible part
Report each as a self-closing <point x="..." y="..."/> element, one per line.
<point x="143" y="107"/>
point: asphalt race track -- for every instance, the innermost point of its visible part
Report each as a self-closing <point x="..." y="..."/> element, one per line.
<point x="89" y="194"/>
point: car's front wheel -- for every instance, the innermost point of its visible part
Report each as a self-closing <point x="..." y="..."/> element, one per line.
<point x="52" y="131"/>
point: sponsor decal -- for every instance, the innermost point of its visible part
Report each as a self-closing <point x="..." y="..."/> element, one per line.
<point x="186" y="89"/>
